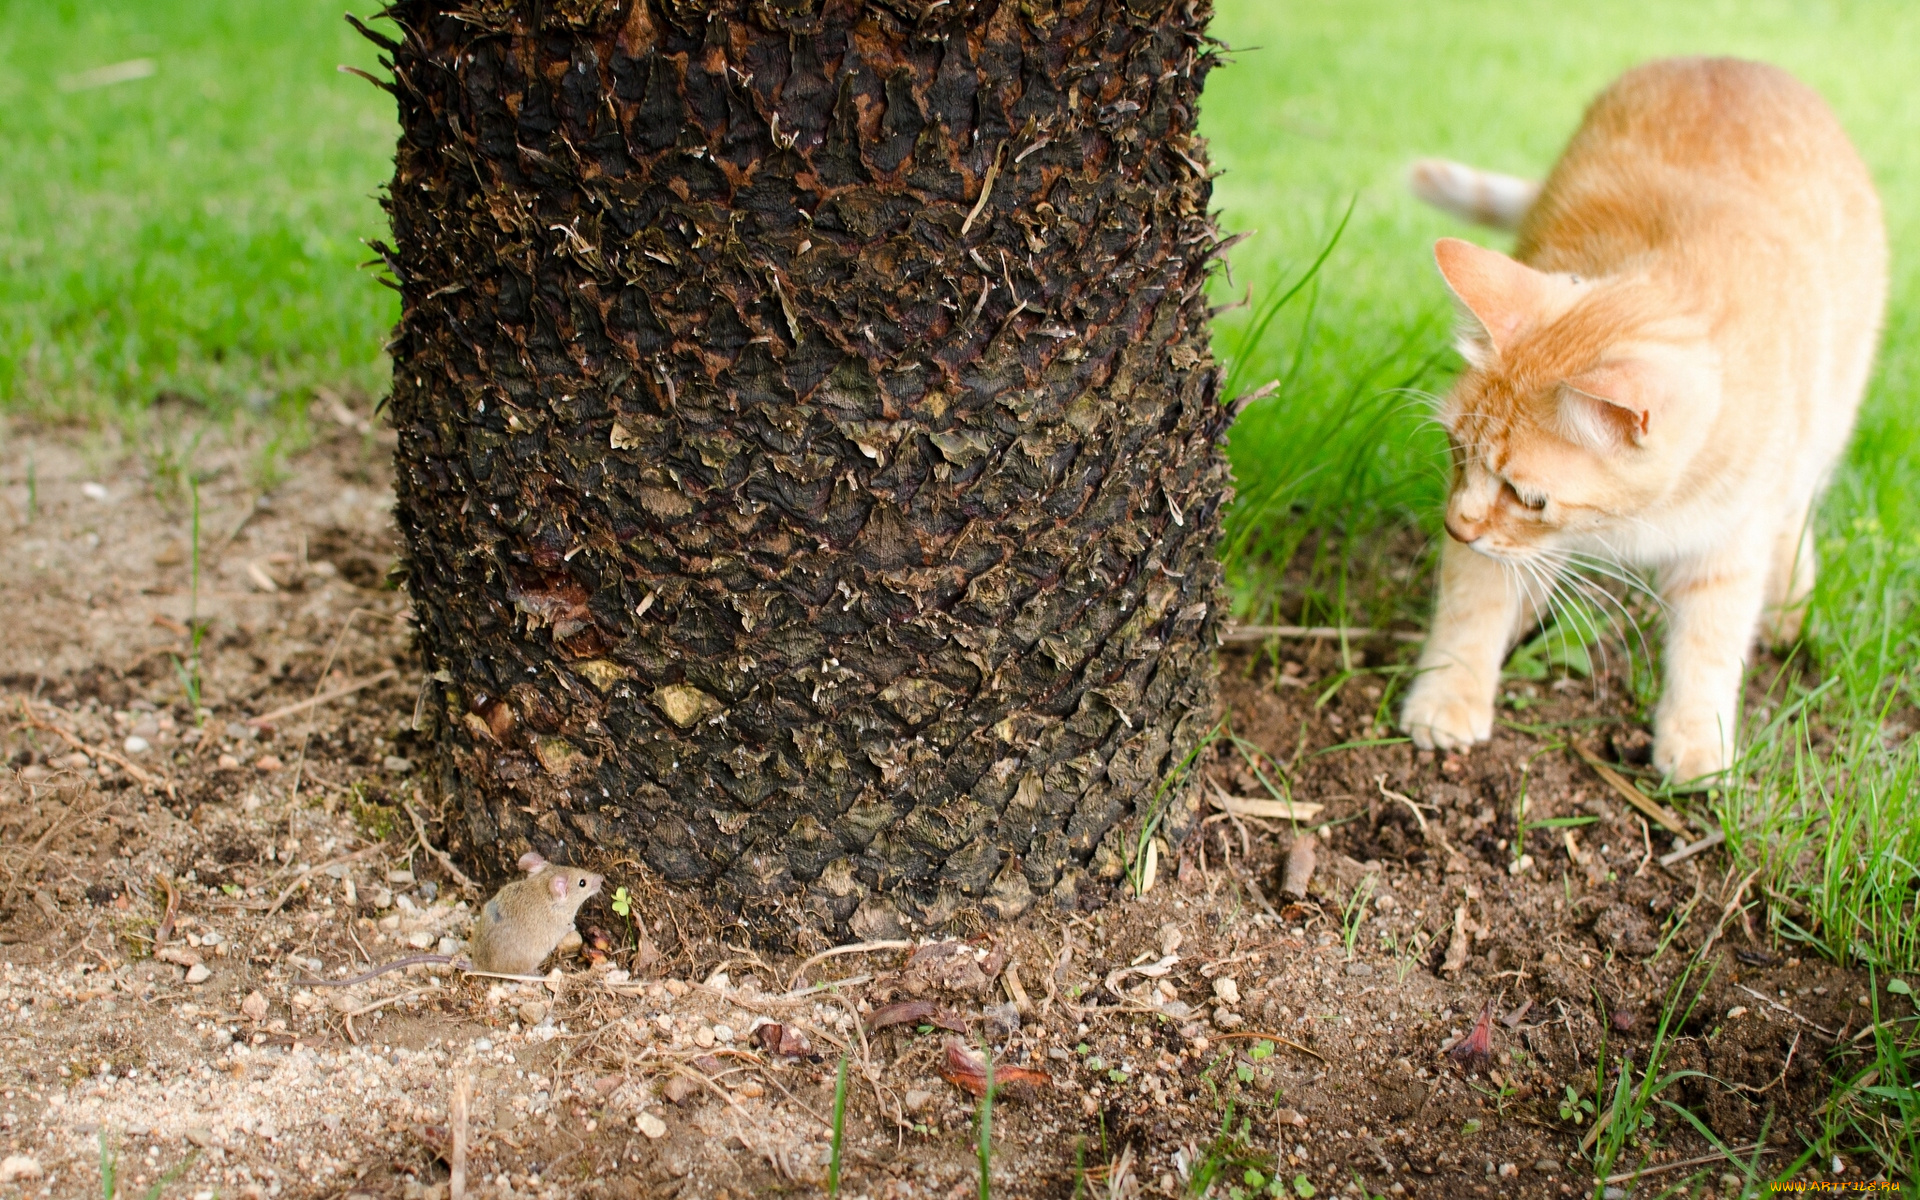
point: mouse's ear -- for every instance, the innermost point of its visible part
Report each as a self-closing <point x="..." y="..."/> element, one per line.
<point x="531" y="861"/>
<point x="558" y="885"/>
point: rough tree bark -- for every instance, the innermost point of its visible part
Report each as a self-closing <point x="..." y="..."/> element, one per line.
<point x="808" y="460"/>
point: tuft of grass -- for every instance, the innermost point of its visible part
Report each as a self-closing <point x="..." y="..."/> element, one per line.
<point x="839" y="1127"/>
<point x="194" y="227"/>
<point x="1874" y="1112"/>
<point x="1353" y="915"/>
<point x="1230" y="1164"/>
<point x="1629" y="1114"/>
<point x="1156" y="808"/>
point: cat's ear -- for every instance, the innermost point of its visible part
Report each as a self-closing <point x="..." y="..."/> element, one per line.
<point x="1610" y="405"/>
<point x="1500" y="295"/>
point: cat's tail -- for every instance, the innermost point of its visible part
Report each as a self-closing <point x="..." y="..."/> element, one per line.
<point x="1483" y="197"/>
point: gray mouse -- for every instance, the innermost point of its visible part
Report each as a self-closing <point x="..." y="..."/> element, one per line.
<point x="515" y="930"/>
<point x="525" y="920"/>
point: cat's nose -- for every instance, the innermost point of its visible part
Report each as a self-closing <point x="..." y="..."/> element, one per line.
<point x="1464" y="531"/>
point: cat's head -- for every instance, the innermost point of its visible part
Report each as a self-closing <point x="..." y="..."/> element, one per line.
<point x="1582" y="402"/>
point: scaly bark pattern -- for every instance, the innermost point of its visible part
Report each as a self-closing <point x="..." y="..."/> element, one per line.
<point x="808" y="460"/>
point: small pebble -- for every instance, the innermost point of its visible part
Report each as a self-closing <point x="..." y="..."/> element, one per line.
<point x="135" y="744"/>
<point x="93" y="491"/>
<point x="916" y="1099"/>
<point x="420" y="939"/>
<point x="1547" y="1166"/>
<point x="650" y="1125"/>
<point x="267" y="764"/>
<point x="723" y="1033"/>
<point x="533" y="1012"/>
<point x="1730" y="1181"/>
<point x="1508" y="1170"/>
<point x="703" y="1037"/>
<point x="18" y="1166"/>
<point x="1227" y="989"/>
<point x="396" y="765"/>
<point x="1615" y="1193"/>
<point x="1359" y="968"/>
<point x="227" y="762"/>
<point x="679" y="1088"/>
<point x="198" y="973"/>
<point x="400" y="877"/>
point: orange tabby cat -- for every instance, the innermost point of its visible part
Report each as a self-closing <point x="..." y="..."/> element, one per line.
<point x="1662" y="376"/>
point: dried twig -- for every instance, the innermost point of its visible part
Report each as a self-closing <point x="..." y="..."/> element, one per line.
<point x="854" y="948"/>
<point x="1241" y="634"/>
<point x="457" y="1167"/>
<point x="1273" y="1037"/>
<point x="1726" y="913"/>
<point x="265" y="719"/>
<point x="1257" y="806"/>
<point x="54" y="826"/>
<point x="1766" y="999"/>
<point x="165" y="929"/>
<point x="1426" y="831"/>
<point x="1717" y="1156"/>
<point x="420" y="830"/>
<point x="1631" y="794"/>
<point x="986" y="190"/>
<point x="379" y="1004"/>
<point x="145" y="777"/>
<point x="302" y="877"/>
<point x="1692" y="848"/>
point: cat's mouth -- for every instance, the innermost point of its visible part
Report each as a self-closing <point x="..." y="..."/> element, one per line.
<point x="1507" y="553"/>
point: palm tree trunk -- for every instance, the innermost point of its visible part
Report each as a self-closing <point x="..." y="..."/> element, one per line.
<point x="808" y="459"/>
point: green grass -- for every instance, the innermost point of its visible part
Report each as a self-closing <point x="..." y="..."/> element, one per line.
<point x="194" y="230"/>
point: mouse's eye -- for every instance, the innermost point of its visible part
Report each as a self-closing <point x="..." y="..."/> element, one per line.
<point x="583" y="882"/>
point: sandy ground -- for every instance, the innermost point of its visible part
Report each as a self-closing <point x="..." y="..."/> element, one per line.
<point x="1216" y="1028"/>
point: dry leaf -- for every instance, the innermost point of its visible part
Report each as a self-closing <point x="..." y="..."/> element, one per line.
<point x="783" y="1040"/>
<point x="1298" y="872"/>
<point x="1474" y="1052"/>
<point x="908" y="1012"/>
<point x="965" y="1070"/>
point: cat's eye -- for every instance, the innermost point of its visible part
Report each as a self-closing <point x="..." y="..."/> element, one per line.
<point x="1531" y="503"/>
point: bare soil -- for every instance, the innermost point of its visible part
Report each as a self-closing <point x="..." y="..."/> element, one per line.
<point x="1213" y="1025"/>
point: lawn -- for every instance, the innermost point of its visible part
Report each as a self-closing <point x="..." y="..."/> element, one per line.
<point x="191" y="221"/>
<point x="195" y="225"/>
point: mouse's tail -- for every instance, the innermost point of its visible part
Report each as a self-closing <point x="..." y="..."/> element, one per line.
<point x="1483" y="197"/>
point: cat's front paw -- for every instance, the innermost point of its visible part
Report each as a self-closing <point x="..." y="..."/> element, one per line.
<point x="1687" y="751"/>
<point x="1444" y="712"/>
